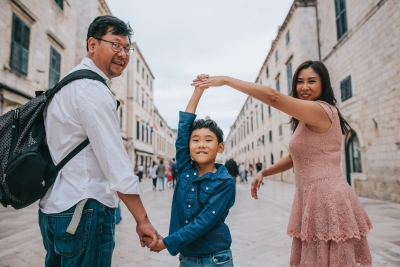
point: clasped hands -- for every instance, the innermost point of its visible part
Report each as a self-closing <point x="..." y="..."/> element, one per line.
<point x="159" y="245"/>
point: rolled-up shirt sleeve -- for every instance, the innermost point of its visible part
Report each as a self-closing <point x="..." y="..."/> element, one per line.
<point x="97" y="110"/>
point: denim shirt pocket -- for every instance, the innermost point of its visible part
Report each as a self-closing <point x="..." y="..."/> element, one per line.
<point x="207" y="189"/>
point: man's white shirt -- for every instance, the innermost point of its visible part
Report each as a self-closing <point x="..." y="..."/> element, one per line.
<point x="86" y="108"/>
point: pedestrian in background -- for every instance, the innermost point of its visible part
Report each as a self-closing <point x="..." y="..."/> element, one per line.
<point x="232" y="168"/>
<point x="259" y="167"/>
<point x="161" y="173"/>
<point x="251" y="169"/>
<point x="242" y="172"/>
<point x="153" y="174"/>
<point x="327" y="223"/>
<point x="140" y="172"/>
<point x="174" y="172"/>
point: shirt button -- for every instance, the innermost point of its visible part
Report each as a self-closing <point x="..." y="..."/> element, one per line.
<point x="189" y="206"/>
<point x="195" y="173"/>
<point x="192" y="189"/>
<point x="206" y="188"/>
<point x="187" y="175"/>
<point x="186" y="221"/>
<point x="213" y="212"/>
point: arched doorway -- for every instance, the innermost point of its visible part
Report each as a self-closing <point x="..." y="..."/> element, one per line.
<point x="353" y="155"/>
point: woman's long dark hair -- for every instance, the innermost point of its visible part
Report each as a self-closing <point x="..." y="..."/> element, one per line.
<point x="327" y="94"/>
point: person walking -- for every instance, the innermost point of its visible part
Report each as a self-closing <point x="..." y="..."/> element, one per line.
<point x="242" y="172"/>
<point x="251" y="169"/>
<point x="232" y="168"/>
<point x="328" y="224"/>
<point x="259" y="168"/>
<point x="161" y="173"/>
<point x="140" y="173"/>
<point x="77" y="214"/>
<point x="153" y="174"/>
<point x="174" y="172"/>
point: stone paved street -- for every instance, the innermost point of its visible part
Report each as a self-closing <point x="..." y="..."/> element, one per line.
<point x="258" y="230"/>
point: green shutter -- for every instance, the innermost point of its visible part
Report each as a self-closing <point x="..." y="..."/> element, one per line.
<point x="19" y="46"/>
<point x="55" y="66"/>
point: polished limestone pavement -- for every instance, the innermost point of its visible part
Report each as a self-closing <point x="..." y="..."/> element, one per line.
<point x="258" y="230"/>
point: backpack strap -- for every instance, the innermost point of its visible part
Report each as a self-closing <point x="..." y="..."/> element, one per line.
<point x="76" y="75"/>
<point x="72" y="154"/>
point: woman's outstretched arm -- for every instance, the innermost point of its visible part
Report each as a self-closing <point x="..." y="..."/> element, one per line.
<point x="308" y="112"/>
<point x="282" y="165"/>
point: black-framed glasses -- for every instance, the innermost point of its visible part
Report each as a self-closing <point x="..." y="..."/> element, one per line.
<point x="117" y="47"/>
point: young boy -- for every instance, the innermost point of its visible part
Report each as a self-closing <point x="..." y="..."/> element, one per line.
<point x="204" y="193"/>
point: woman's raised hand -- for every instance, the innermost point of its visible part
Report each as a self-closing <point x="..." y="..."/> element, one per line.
<point x="204" y="81"/>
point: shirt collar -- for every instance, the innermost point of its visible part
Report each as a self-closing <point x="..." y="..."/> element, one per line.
<point x="221" y="173"/>
<point x="90" y="64"/>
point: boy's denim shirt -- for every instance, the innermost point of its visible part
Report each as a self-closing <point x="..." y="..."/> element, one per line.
<point x="200" y="204"/>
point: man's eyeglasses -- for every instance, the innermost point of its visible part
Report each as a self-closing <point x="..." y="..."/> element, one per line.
<point x="117" y="47"/>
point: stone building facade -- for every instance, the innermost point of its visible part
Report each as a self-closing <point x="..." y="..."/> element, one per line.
<point x="358" y="41"/>
<point x="44" y="40"/>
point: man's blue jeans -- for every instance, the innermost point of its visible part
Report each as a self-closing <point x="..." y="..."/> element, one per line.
<point x="222" y="258"/>
<point x="93" y="243"/>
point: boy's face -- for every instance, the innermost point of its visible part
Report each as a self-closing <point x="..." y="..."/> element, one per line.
<point x="204" y="146"/>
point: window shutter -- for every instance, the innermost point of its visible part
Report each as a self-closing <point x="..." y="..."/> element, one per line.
<point x="55" y="66"/>
<point x="20" y="46"/>
<point x="345" y="89"/>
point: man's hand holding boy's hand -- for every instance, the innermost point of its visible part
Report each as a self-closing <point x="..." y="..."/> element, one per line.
<point x="158" y="247"/>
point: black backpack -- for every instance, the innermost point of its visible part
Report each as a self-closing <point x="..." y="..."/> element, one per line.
<point x="26" y="168"/>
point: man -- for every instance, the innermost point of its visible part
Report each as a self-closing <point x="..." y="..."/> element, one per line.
<point x="173" y="172"/>
<point x="101" y="172"/>
<point x="232" y="168"/>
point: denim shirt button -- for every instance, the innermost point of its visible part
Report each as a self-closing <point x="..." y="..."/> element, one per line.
<point x="187" y="175"/>
<point x="206" y="188"/>
<point x="213" y="212"/>
<point x="186" y="221"/>
<point x="192" y="189"/>
<point x="189" y="206"/>
<point x="194" y="173"/>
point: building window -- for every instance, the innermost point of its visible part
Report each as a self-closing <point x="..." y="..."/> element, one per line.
<point x="270" y="136"/>
<point x="142" y="132"/>
<point x="272" y="159"/>
<point x="278" y="85"/>
<point x="137" y="93"/>
<point x="257" y="119"/>
<point x="251" y="123"/>
<point x="59" y="3"/>
<point x="54" y="69"/>
<point x="262" y="112"/>
<point x="147" y="134"/>
<point x="20" y="46"/>
<point x="341" y="20"/>
<point x="137" y="130"/>
<point x="137" y="65"/>
<point x="142" y="73"/>
<point x="151" y="86"/>
<point x="142" y="98"/>
<point x="280" y="130"/>
<point x="252" y="145"/>
<point x="151" y="136"/>
<point x="269" y="110"/>
<point x="267" y="71"/>
<point x="276" y="56"/>
<point x="147" y="79"/>
<point x="287" y="37"/>
<point x="247" y="127"/>
<point x="289" y="77"/>
<point x="345" y="89"/>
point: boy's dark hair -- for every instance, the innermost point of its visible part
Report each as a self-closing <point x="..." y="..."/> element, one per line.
<point x="211" y="125"/>
<point x="100" y="26"/>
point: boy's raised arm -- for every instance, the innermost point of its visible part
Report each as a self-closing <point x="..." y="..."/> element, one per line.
<point x="194" y="100"/>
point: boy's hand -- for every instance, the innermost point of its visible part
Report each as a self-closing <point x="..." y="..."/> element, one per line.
<point x="158" y="247"/>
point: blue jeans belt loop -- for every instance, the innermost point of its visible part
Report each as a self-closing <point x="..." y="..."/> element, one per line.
<point x="76" y="218"/>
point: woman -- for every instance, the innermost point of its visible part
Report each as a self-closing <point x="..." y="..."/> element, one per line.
<point x="153" y="174"/>
<point x="161" y="171"/>
<point x="328" y="223"/>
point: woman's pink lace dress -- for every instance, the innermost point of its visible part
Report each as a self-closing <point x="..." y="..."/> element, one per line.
<point x="328" y="223"/>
